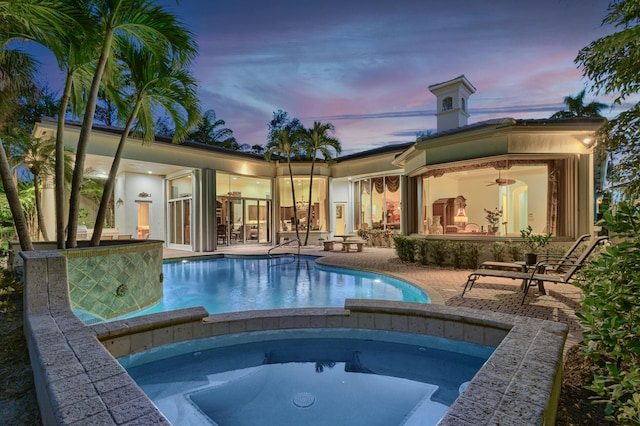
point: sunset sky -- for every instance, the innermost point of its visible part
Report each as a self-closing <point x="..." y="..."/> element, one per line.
<point x="365" y="65"/>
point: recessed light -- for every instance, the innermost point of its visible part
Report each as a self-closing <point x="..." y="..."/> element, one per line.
<point x="150" y="172"/>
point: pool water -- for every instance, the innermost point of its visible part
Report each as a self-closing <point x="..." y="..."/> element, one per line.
<point x="310" y="377"/>
<point x="233" y="284"/>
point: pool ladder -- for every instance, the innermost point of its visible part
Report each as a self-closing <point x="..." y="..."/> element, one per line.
<point x="285" y="244"/>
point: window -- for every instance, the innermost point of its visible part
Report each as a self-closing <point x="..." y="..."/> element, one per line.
<point x="288" y="212"/>
<point x="243" y="209"/>
<point x="447" y="103"/>
<point x="526" y="192"/>
<point x="378" y="205"/>
<point x="242" y="186"/>
<point x="463" y="104"/>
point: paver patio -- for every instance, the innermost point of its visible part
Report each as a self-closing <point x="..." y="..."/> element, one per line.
<point x="444" y="285"/>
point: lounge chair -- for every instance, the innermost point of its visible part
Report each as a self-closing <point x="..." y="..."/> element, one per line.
<point x="556" y="271"/>
<point x="569" y="255"/>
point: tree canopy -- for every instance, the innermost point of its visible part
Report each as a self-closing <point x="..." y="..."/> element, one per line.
<point x="211" y="130"/>
<point x="612" y="64"/>
<point x="577" y="108"/>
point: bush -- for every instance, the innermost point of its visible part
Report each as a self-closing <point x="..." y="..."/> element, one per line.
<point x="365" y="235"/>
<point x="439" y="250"/>
<point x="405" y="248"/>
<point x="457" y="250"/>
<point x="422" y="251"/>
<point x="378" y="237"/>
<point x="472" y="254"/>
<point x="516" y="251"/>
<point x="498" y="250"/>
<point x="10" y="289"/>
<point x="611" y="317"/>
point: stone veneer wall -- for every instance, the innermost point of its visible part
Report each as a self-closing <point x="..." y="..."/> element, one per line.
<point x="79" y="382"/>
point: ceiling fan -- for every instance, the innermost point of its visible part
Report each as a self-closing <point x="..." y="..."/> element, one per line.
<point x="502" y="182"/>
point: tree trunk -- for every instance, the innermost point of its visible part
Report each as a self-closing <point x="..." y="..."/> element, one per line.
<point x="111" y="181"/>
<point x="83" y="142"/>
<point x="13" y="198"/>
<point x="59" y="172"/>
<point x="293" y="195"/>
<point x="313" y="163"/>
<point x="38" y="198"/>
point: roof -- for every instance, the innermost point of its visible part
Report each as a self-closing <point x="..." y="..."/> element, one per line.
<point x="163" y="139"/>
<point x="508" y="121"/>
<point x="376" y="151"/>
<point x="459" y="79"/>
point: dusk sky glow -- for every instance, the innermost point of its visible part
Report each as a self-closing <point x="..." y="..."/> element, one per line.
<point x="365" y="65"/>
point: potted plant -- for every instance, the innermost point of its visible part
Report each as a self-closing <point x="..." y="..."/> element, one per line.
<point x="493" y="217"/>
<point x="534" y="243"/>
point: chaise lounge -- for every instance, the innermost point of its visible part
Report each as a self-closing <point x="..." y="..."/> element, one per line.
<point x="560" y="270"/>
<point x="569" y="255"/>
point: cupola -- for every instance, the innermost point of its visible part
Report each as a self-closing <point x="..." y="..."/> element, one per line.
<point x="453" y="102"/>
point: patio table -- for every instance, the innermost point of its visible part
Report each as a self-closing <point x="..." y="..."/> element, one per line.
<point x="527" y="268"/>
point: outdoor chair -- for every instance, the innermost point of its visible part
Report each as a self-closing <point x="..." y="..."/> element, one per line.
<point x="569" y="255"/>
<point x="557" y="271"/>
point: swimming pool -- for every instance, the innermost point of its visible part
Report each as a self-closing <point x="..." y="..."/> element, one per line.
<point x="311" y="377"/>
<point x="242" y="283"/>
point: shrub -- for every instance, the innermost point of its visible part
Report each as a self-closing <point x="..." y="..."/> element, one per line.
<point x="400" y="247"/>
<point x="498" y="250"/>
<point x="561" y="250"/>
<point x="10" y="289"/>
<point x="457" y="249"/>
<point x="422" y="251"/>
<point x="439" y="250"/>
<point x="405" y="248"/>
<point x="378" y="237"/>
<point x="515" y="250"/>
<point x="610" y="317"/>
<point x="365" y="235"/>
<point x="472" y="254"/>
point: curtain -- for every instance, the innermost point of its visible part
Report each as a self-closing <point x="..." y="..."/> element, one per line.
<point x="553" y="172"/>
<point x="378" y="184"/>
<point x="393" y="183"/>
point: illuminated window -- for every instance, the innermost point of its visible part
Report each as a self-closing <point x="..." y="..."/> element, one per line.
<point x="378" y="204"/>
<point x="317" y="203"/>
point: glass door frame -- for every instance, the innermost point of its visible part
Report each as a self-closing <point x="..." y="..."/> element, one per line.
<point x="238" y="221"/>
<point x="180" y="235"/>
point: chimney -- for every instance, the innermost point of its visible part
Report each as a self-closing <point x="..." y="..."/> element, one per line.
<point x="453" y="102"/>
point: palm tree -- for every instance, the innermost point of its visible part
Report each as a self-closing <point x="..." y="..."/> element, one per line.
<point x="209" y="131"/>
<point x="123" y="22"/>
<point x="17" y="71"/>
<point x="64" y="28"/>
<point x="154" y="84"/>
<point x="577" y="108"/>
<point x="317" y="141"/>
<point x="285" y="143"/>
<point x="38" y="156"/>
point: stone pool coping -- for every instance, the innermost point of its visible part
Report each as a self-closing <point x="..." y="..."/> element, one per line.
<point x="79" y="381"/>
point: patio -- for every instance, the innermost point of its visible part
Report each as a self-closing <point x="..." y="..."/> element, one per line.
<point x="444" y="285"/>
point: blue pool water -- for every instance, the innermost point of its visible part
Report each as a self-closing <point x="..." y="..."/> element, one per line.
<point x="307" y="377"/>
<point x="232" y="284"/>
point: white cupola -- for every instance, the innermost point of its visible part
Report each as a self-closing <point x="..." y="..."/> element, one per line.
<point x="453" y="102"/>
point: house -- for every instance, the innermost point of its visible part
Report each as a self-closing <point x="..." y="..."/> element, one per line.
<point x="198" y="197"/>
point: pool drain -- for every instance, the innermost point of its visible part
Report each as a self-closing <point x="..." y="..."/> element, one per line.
<point x="303" y="400"/>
